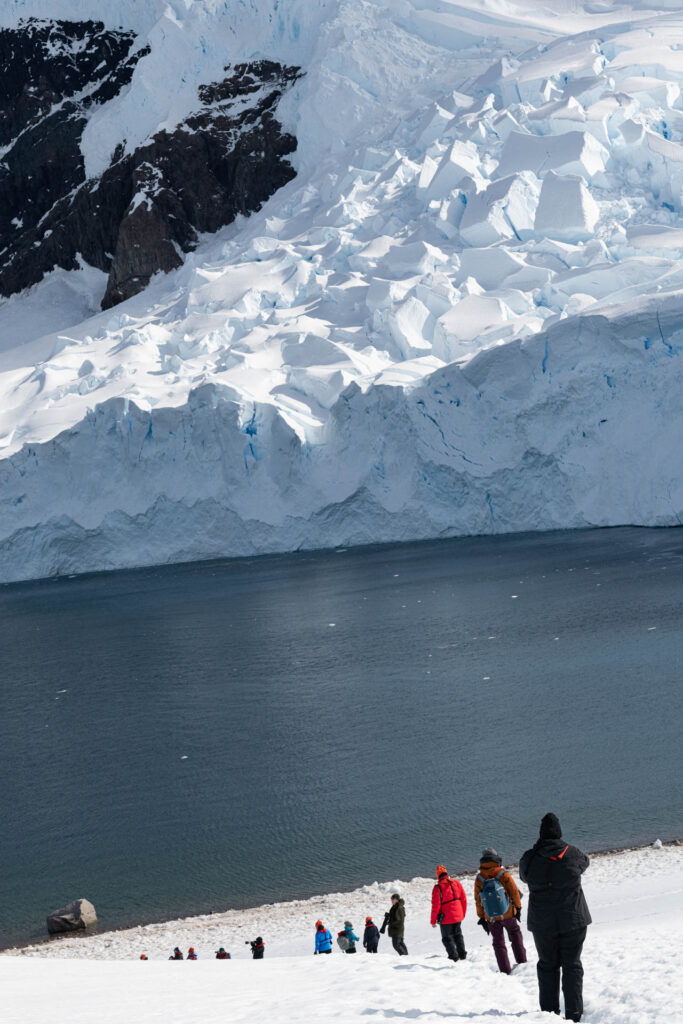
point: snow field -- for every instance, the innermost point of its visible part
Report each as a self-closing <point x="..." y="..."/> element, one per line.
<point x="630" y="958"/>
<point x="494" y="227"/>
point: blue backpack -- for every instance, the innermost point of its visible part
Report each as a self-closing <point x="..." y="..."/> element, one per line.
<point x="493" y="896"/>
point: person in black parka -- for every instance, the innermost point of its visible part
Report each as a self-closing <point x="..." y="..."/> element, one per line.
<point x="370" y="936"/>
<point x="558" y="917"/>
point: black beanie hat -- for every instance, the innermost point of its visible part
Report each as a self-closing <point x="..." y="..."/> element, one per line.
<point x="550" y="827"/>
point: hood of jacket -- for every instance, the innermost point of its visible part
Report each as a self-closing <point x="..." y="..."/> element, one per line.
<point x="490" y="868"/>
<point x="550" y="848"/>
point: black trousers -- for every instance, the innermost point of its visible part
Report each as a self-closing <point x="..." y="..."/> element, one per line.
<point x="399" y="945"/>
<point x="370" y="948"/>
<point x="451" y="936"/>
<point x="560" y="952"/>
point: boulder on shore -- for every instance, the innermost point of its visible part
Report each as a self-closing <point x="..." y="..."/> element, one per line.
<point x="73" y="917"/>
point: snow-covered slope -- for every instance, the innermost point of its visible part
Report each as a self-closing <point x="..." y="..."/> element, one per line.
<point x="632" y="974"/>
<point x="463" y="315"/>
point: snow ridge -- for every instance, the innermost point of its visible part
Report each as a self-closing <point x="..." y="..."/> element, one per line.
<point x="462" y="316"/>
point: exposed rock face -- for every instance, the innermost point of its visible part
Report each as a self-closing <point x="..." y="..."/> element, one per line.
<point x="149" y="206"/>
<point x="75" y="916"/>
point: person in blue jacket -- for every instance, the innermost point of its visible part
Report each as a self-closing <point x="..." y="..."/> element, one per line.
<point x="353" y="939"/>
<point x="323" y="939"/>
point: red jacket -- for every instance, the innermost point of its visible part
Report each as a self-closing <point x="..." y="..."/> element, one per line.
<point x="448" y="897"/>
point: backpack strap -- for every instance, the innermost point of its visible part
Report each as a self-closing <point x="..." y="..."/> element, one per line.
<point x="442" y="900"/>
<point x="561" y="855"/>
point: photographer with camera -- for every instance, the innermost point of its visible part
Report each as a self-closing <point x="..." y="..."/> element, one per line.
<point x="258" y="948"/>
<point x="395" y="922"/>
<point x="449" y="906"/>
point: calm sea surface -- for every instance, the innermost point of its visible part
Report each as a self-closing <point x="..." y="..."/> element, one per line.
<point x="193" y="738"/>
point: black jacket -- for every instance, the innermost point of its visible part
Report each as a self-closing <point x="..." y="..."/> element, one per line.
<point x="371" y="935"/>
<point x="552" y="869"/>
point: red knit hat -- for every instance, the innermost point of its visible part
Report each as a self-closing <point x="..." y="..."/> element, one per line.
<point x="441" y="871"/>
<point x="368" y="919"/>
<point x="318" y="924"/>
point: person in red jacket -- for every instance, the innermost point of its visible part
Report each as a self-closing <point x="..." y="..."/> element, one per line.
<point x="449" y="906"/>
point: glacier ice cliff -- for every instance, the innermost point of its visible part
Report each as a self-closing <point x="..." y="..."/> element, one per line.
<point x="463" y="315"/>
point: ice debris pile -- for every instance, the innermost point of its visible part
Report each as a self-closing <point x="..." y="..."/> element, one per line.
<point x="463" y="315"/>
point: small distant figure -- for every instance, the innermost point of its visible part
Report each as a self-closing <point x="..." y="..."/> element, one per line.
<point x="370" y="936"/>
<point x="499" y="908"/>
<point x="176" y="955"/>
<point x="222" y="955"/>
<point x="395" y="922"/>
<point x="258" y="948"/>
<point x="143" y="956"/>
<point x="558" y="916"/>
<point x="191" y="955"/>
<point x="347" y="939"/>
<point x="449" y="906"/>
<point x="323" y="939"/>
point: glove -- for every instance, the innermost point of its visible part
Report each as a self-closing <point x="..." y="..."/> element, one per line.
<point x="316" y="953"/>
<point x="517" y="913"/>
<point x="485" y="925"/>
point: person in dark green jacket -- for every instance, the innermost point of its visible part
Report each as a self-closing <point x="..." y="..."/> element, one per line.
<point x="395" y="922"/>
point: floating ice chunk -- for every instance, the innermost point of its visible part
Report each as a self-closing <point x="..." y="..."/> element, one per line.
<point x="657" y="845"/>
<point x="576" y="152"/>
<point x="504" y="210"/>
<point x="461" y="161"/>
<point x="566" y="209"/>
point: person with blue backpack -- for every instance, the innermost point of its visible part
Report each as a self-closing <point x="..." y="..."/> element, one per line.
<point x="323" y="939"/>
<point x="499" y="908"/>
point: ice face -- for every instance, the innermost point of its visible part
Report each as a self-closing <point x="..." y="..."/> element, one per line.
<point x="461" y="315"/>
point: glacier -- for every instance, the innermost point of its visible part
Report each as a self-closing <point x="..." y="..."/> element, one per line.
<point x="463" y="315"/>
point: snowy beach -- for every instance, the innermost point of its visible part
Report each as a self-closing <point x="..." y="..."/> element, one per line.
<point x="630" y="959"/>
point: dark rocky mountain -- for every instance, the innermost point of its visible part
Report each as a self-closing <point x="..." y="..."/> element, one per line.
<point x="150" y="205"/>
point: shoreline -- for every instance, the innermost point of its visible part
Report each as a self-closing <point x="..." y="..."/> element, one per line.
<point x="264" y="909"/>
<point x="374" y="545"/>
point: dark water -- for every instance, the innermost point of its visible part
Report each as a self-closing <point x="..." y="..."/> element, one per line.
<point x="439" y="713"/>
